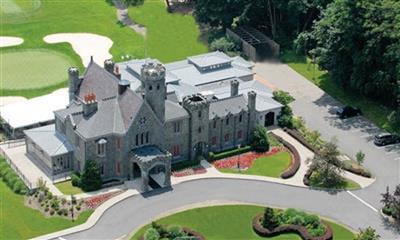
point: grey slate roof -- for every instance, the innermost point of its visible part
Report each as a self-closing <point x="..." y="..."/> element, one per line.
<point x="209" y="59"/>
<point x="51" y="142"/>
<point x="231" y="105"/>
<point x="148" y="153"/>
<point x="174" y="111"/>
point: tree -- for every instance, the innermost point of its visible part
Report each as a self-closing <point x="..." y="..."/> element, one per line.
<point x="360" y="156"/>
<point x="285" y="118"/>
<point x="367" y="234"/>
<point x="270" y="220"/>
<point x="226" y="45"/>
<point x="132" y="2"/>
<point x="327" y="165"/>
<point x="91" y="178"/>
<point x="261" y="140"/>
<point x="283" y="97"/>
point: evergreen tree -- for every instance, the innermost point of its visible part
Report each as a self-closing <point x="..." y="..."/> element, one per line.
<point x="270" y="220"/>
<point x="91" y="178"/>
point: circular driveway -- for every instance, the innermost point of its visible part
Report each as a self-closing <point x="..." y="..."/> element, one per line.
<point x="131" y="213"/>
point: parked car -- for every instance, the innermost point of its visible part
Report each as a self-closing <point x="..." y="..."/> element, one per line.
<point x="348" y="112"/>
<point x="384" y="139"/>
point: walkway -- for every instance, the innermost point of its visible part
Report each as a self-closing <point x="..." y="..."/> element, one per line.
<point x="123" y="17"/>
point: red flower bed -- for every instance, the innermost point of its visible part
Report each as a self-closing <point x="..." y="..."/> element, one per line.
<point x="189" y="171"/>
<point x="94" y="202"/>
<point x="245" y="159"/>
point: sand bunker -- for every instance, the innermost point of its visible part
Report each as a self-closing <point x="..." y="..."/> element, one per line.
<point x="85" y="45"/>
<point x="10" y="41"/>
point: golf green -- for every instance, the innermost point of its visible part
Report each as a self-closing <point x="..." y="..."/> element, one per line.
<point x="32" y="68"/>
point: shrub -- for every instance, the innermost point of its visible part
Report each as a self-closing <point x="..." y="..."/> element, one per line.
<point x="51" y="212"/>
<point x="63" y="201"/>
<point x="297" y="220"/>
<point x="283" y="97"/>
<point x="175" y="231"/>
<point x="75" y="180"/>
<point x="60" y="212"/>
<point x="46" y="209"/>
<point x="317" y="231"/>
<point x="226" y="45"/>
<point x="311" y="220"/>
<point x="78" y="208"/>
<point x="19" y="187"/>
<point x="215" y="156"/>
<point x="261" y="141"/>
<point x="151" y="234"/>
<point x="91" y="178"/>
<point x="55" y="204"/>
<point x="270" y="220"/>
<point x="387" y="210"/>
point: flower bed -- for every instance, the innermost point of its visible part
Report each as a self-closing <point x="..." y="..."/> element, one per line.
<point x="163" y="230"/>
<point x="246" y="159"/>
<point x="94" y="202"/>
<point x="289" y="228"/>
<point x="189" y="171"/>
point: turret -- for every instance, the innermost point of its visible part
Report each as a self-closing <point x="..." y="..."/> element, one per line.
<point x="154" y="88"/>
<point x="234" y="88"/>
<point x="198" y="109"/>
<point x="251" y="104"/>
<point x="74" y="81"/>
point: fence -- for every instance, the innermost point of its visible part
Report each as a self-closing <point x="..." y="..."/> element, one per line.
<point x="29" y="184"/>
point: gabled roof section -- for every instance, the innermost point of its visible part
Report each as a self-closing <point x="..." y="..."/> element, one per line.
<point x="174" y="111"/>
<point x="224" y="107"/>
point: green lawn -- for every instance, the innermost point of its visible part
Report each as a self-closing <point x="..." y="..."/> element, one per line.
<point x="67" y="188"/>
<point x="43" y="68"/>
<point x="347" y="184"/>
<point x="20" y="222"/>
<point x="372" y="110"/>
<point x="171" y="36"/>
<point x="231" y="222"/>
<point x="270" y="166"/>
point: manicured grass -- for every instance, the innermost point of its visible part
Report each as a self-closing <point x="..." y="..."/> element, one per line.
<point x="33" y="69"/>
<point x="270" y="166"/>
<point x="230" y="222"/>
<point x="67" y="188"/>
<point x="372" y="110"/>
<point x="346" y="184"/>
<point x="169" y="36"/>
<point x="20" y="222"/>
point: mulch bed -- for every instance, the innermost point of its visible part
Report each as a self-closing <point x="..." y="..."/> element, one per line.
<point x="189" y="232"/>
<point x="246" y="159"/>
<point x="189" y="171"/>
<point x="289" y="228"/>
<point x="95" y="201"/>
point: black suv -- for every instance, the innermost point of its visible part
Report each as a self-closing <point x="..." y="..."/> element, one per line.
<point x="386" y="139"/>
<point x="348" y="112"/>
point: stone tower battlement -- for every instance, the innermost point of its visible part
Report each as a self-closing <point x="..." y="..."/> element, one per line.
<point x="195" y="102"/>
<point x="152" y="71"/>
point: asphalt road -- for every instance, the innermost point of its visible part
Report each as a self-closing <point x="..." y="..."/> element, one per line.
<point x="135" y="211"/>
<point x="357" y="209"/>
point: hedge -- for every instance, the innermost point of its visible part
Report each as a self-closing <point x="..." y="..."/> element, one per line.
<point x="289" y="228"/>
<point x="295" y="164"/>
<point x="189" y="232"/>
<point x="215" y="156"/>
<point x="11" y="179"/>
<point x="184" y="164"/>
<point x="297" y="135"/>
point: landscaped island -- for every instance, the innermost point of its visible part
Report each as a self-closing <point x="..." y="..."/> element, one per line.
<point x="233" y="222"/>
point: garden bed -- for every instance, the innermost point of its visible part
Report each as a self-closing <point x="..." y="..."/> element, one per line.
<point x="189" y="171"/>
<point x="172" y="232"/>
<point x="289" y="228"/>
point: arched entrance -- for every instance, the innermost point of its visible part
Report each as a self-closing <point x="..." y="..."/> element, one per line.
<point x="200" y="149"/>
<point x="136" y="171"/>
<point x="269" y="119"/>
<point x="157" y="176"/>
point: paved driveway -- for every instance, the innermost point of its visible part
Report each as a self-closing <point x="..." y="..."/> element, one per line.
<point x="135" y="211"/>
<point x="318" y="110"/>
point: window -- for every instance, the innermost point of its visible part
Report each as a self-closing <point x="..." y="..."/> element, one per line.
<point x="227" y="121"/>
<point x="102" y="169"/>
<point x="239" y="134"/>
<point x="142" y="138"/>
<point x="137" y="139"/>
<point x="150" y="87"/>
<point x="240" y="118"/>
<point x="118" y="143"/>
<point x="227" y="137"/>
<point x="176" y="150"/>
<point x="214" y="141"/>
<point x="147" y="137"/>
<point x="177" y="127"/>
<point x="158" y="86"/>
<point x="101" y="147"/>
<point x="118" y="168"/>
<point x="215" y="124"/>
<point x="199" y="129"/>
<point x="199" y="114"/>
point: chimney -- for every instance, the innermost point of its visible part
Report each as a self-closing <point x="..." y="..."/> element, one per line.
<point x="251" y="101"/>
<point x="89" y="104"/>
<point x="74" y="81"/>
<point x="234" y="88"/>
<point x="109" y="65"/>
<point x="117" y="73"/>
<point x="122" y="86"/>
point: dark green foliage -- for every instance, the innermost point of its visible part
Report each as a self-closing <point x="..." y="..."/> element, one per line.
<point x="283" y="97"/>
<point x="12" y="180"/>
<point x="75" y="180"/>
<point x="391" y="202"/>
<point x="215" y="156"/>
<point x="260" y="140"/>
<point x="158" y="231"/>
<point x="285" y="119"/>
<point x="91" y="178"/>
<point x="270" y="220"/>
<point x="132" y="2"/>
<point x="151" y="234"/>
<point x="358" y="43"/>
<point x="367" y="234"/>
<point x="175" y="232"/>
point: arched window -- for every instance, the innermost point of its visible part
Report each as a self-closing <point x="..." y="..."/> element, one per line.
<point x="101" y="147"/>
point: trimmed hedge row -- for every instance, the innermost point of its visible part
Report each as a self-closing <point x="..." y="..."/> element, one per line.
<point x="358" y="171"/>
<point x="297" y="135"/>
<point x="289" y="228"/>
<point x="184" y="164"/>
<point x="295" y="164"/>
<point x="215" y="156"/>
<point x="11" y="179"/>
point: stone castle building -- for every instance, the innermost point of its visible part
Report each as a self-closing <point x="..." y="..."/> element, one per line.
<point x="135" y="119"/>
